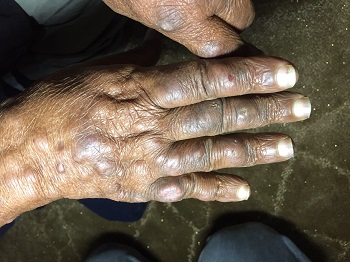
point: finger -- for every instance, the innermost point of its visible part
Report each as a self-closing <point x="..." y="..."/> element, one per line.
<point x="193" y="82"/>
<point x="239" y="14"/>
<point x="203" y="186"/>
<point x="213" y="153"/>
<point x="226" y="115"/>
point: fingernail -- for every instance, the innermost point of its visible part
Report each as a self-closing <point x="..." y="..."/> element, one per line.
<point x="243" y="192"/>
<point x="286" y="76"/>
<point x="285" y="148"/>
<point x="302" y="108"/>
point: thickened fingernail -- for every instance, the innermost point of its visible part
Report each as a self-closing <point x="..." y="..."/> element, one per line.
<point x="286" y="76"/>
<point x="285" y="148"/>
<point x="302" y="108"/>
<point x="243" y="192"/>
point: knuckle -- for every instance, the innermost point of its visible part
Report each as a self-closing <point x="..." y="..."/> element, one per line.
<point x="221" y="188"/>
<point x="234" y="116"/>
<point x="95" y="153"/>
<point x="269" y="110"/>
<point x="220" y="113"/>
<point x="203" y="118"/>
<point x="212" y="48"/>
<point x="172" y="86"/>
<point x="203" y="188"/>
<point x="207" y="159"/>
<point x="205" y="87"/>
<point x="112" y="80"/>
<point x="168" y="93"/>
<point x="167" y="190"/>
<point x="251" y="154"/>
<point x="248" y="77"/>
<point x="168" y="17"/>
<point x="169" y="165"/>
<point x="261" y="74"/>
<point x="255" y="151"/>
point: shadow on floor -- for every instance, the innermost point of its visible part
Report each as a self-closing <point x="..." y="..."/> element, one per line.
<point x="310" y="249"/>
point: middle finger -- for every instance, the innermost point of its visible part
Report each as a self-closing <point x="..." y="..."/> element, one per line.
<point x="225" y="115"/>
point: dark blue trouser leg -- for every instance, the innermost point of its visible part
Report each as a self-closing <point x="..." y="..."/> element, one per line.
<point x="115" y="211"/>
<point x="251" y="242"/>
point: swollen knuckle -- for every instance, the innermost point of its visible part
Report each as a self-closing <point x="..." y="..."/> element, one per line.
<point x="167" y="190"/>
<point x="209" y="117"/>
<point x="168" y="17"/>
<point x="169" y="165"/>
<point x="212" y="48"/>
<point x="96" y="154"/>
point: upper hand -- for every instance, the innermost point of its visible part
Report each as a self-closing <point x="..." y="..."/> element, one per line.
<point x="208" y="28"/>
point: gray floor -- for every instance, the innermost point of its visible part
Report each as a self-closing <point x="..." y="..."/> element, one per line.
<point x="307" y="198"/>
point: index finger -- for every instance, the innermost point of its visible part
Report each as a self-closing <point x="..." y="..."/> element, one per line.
<point x="193" y="82"/>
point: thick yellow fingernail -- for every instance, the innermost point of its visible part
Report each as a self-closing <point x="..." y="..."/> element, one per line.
<point x="286" y="76"/>
<point x="302" y="108"/>
<point x="285" y="148"/>
<point x="243" y="192"/>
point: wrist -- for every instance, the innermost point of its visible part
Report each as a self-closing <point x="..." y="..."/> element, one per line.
<point x="23" y="186"/>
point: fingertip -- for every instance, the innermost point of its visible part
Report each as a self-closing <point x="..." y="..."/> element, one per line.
<point x="287" y="76"/>
<point x="243" y="193"/>
<point x="285" y="148"/>
<point x="302" y="108"/>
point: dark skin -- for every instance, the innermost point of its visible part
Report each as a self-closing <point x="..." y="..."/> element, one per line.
<point x="208" y="28"/>
<point x="135" y="134"/>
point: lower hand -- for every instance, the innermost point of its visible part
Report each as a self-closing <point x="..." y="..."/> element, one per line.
<point x="137" y="134"/>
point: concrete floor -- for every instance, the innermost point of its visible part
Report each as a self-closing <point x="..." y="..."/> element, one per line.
<point x="307" y="198"/>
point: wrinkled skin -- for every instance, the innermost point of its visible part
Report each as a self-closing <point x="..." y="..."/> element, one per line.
<point x="136" y="134"/>
<point x="208" y="28"/>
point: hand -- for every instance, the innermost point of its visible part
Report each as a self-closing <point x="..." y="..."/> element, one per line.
<point x="137" y="134"/>
<point x="208" y="28"/>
